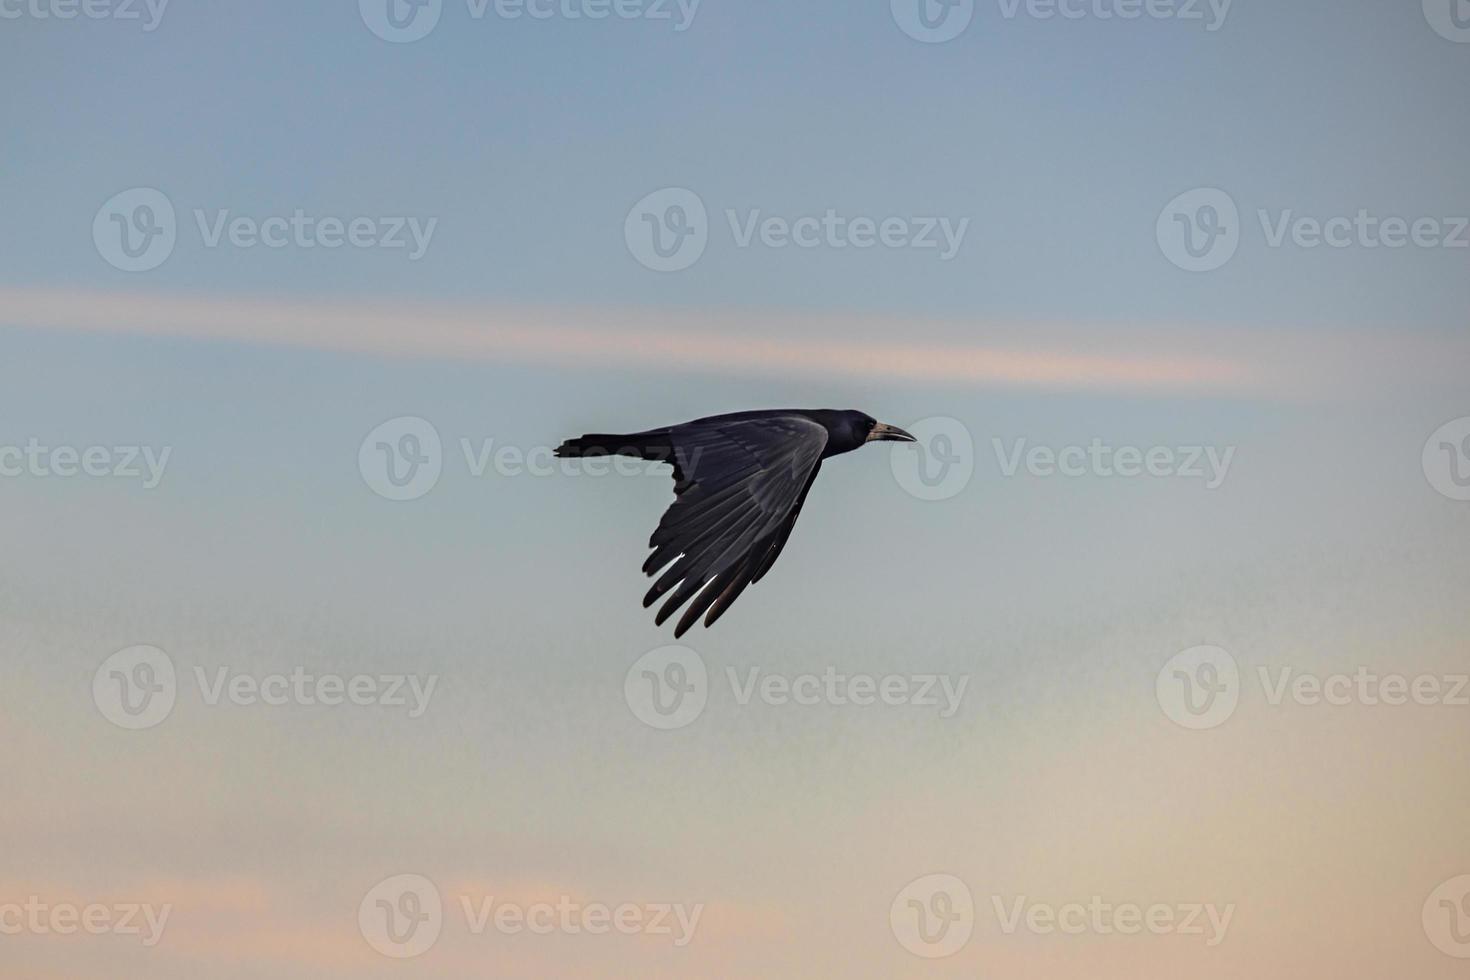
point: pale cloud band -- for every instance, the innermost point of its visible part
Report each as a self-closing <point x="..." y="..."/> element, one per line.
<point x="1159" y="359"/>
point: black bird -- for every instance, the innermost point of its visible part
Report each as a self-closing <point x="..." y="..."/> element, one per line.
<point x="739" y="483"/>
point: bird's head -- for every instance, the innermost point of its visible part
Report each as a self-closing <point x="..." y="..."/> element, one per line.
<point x="848" y="430"/>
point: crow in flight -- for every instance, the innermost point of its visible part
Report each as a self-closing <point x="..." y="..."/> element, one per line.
<point x="739" y="483"/>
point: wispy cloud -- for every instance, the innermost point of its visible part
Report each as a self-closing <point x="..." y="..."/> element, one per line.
<point x="1180" y="359"/>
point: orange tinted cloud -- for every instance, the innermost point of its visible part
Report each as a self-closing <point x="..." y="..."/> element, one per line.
<point x="760" y="345"/>
<point x="1283" y="361"/>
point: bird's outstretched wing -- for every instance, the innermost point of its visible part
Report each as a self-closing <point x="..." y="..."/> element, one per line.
<point x="739" y="486"/>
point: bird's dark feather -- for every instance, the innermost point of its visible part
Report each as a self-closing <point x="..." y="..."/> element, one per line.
<point x="743" y="485"/>
<point x="739" y="484"/>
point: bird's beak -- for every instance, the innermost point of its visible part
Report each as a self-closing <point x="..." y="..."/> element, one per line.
<point x="883" y="432"/>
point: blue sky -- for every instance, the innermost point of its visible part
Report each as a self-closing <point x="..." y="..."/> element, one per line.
<point x="529" y="140"/>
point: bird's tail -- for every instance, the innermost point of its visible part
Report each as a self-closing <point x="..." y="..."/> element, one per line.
<point x="654" y="444"/>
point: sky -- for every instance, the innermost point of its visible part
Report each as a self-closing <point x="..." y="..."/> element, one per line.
<point x="1147" y="659"/>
